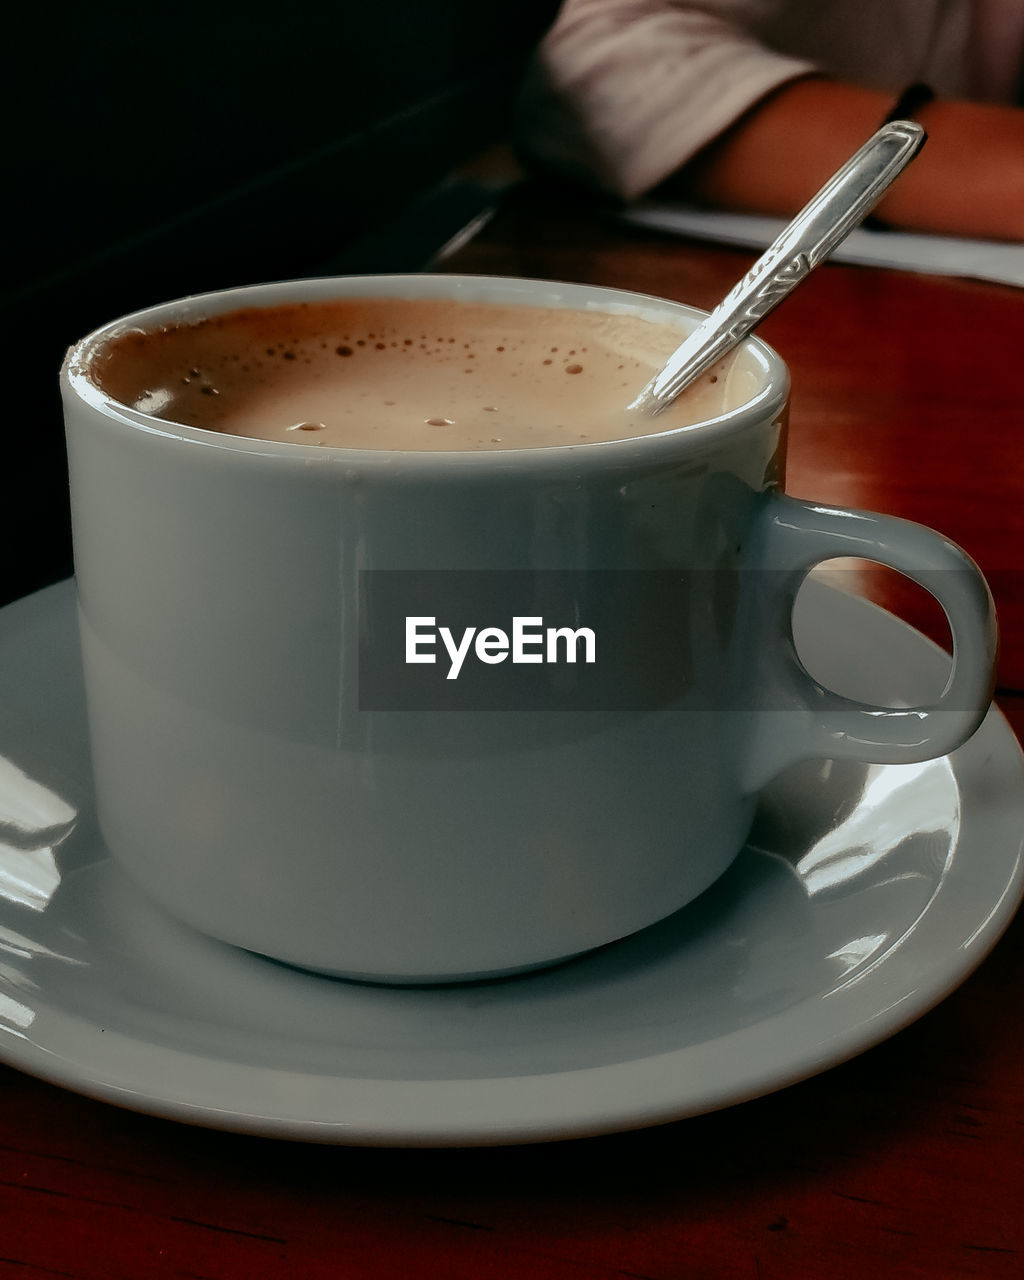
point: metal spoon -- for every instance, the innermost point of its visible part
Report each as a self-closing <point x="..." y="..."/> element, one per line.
<point x="843" y="202"/>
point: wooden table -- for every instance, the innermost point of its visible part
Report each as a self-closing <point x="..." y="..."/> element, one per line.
<point x="907" y="1161"/>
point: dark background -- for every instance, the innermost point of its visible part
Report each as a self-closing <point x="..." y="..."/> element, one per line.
<point x="152" y="151"/>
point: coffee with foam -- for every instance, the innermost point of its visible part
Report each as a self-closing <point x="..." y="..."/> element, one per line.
<point x="384" y="373"/>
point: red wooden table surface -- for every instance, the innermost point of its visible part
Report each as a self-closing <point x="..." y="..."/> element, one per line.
<point x="907" y="1161"/>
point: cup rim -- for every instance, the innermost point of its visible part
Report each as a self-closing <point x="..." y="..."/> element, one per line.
<point x="768" y="401"/>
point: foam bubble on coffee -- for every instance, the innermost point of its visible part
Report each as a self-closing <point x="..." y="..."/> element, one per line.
<point x="382" y="373"/>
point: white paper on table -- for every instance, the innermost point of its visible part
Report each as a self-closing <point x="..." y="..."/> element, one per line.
<point x="940" y="255"/>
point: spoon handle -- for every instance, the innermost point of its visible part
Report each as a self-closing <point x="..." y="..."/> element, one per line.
<point x="843" y="202"/>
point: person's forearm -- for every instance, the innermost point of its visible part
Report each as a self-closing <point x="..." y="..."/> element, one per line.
<point x="968" y="180"/>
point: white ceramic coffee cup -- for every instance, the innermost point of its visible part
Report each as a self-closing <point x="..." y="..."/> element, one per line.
<point x="239" y="782"/>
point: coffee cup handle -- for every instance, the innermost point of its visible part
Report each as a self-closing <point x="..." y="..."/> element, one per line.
<point x="795" y="536"/>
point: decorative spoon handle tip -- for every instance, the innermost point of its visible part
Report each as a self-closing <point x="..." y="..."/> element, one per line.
<point x="841" y="204"/>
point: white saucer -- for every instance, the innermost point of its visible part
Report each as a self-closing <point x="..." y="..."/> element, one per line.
<point x="865" y="895"/>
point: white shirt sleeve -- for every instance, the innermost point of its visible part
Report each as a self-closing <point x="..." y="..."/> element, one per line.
<point x="623" y="92"/>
